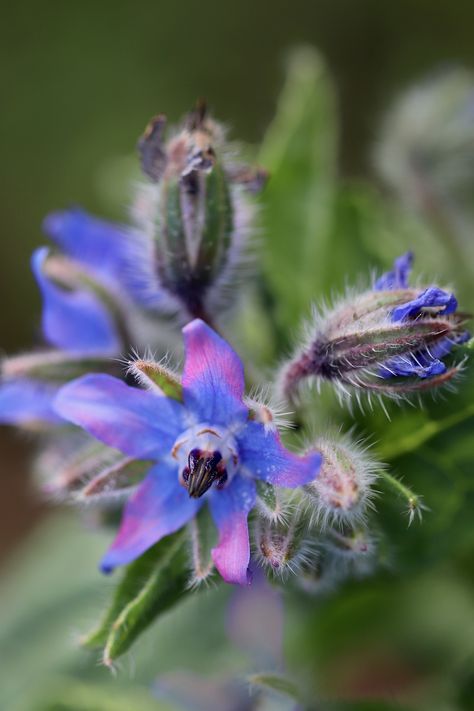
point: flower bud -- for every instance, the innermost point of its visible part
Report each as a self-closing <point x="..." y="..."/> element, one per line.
<point x="390" y="340"/>
<point x="282" y="545"/>
<point x="195" y="211"/>
<point x="342" y="490"/>
<point x="353" y="551"/>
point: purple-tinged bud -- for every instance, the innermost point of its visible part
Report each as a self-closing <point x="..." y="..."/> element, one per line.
<point x="342" y="491"/>
<point x="282" y="546"/>
<point x="196" y="212"/>
<point x="390" y="340"/>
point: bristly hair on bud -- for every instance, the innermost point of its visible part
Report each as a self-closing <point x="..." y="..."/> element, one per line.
<point x="195" y="213"/>
<point x="390" y="340"/>
<point x="265" y="407"/>
<point x="283" y="547"/>
<point x="342" y="492"/>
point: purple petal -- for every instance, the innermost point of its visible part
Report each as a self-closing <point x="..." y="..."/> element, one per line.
<point x="137" y="422"/>
<point x="230" y="508"/>
<point x="398" y="277"/>
<point x="159" y="507"/>
<point x="213" y="377"/>
<point x="432" y="296"/>
<point x="120" y="256"/>
<point x="262" y="453"/>
<point x="27" y="401"/>
<point x="74" y="320"/>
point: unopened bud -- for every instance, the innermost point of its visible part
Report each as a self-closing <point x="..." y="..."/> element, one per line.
<point x="342" y="490"/>
<point x="354" y="551"/>
<point x="282" y="545"/>
<point x="196" y="211"/>
<point x="390" y="340"/>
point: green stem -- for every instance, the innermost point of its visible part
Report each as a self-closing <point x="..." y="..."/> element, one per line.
<point x="415" y="505"/>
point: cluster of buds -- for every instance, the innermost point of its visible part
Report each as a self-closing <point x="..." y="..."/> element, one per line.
<point x="390" y="340"/>
<point x="196" y="212"/>
<point x="319" y="535"/>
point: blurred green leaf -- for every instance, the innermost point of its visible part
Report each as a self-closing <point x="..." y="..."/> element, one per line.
<point x="299" y="150"/>
<point x="152" y="584"/>
<point x="276" y="682"/>
<point x="72" y="695"/>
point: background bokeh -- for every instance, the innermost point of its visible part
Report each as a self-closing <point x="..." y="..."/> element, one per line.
<point x="79" y="81"/>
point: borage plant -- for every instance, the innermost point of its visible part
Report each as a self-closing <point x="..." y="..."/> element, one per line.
<point x="211" y="483"/>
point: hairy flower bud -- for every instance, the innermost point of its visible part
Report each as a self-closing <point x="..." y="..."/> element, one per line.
<point x="353" y="551"/>
<point x="282" y="546"/>
<point x="342" y="490"/>
<point x="390" y="340"/>
<point x="195" y="211"/>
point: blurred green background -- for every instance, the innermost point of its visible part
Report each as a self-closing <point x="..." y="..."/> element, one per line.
<point x="80" y="81"/>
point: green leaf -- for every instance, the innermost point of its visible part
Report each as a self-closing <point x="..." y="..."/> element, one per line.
<point x="152" y="584"/>
<point x="72" y="695"/>
<point x="276" y="682"/>
<point x="299" y="150"/>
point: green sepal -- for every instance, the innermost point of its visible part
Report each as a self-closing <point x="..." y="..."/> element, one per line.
<point x="215" y="238"/>
<point x="150" y="374"/>
<point x="150" y="586"/>
<point x="203" y="538"/>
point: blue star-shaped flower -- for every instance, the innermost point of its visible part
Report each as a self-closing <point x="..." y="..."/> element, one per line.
<point x="207" y="449"/>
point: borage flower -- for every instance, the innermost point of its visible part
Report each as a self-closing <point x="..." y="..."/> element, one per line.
<point x="389" y="340"/>
<point x="207" y="448"/>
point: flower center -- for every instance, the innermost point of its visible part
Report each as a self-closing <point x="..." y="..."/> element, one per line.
<point x="206" y="455"/>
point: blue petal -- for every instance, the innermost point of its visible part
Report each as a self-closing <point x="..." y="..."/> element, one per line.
<point x="120" y="256"/>
<point x="230" y="508"/>
<point x="139" y="423"/>
<point x="27" y="401"/>
<point x="159" y="507"/>
<point x="410" y="366"/>
<point x="74" y="320"/>
<point x="398" y="277"/>
<point x="424" y="364"/>
<point x="430" y="297"/>
<point x="213" y="376"/>
<point x="263" y="454"/>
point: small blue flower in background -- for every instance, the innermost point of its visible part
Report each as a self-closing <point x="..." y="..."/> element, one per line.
<point x="87" y="294"/>
<point x="206" y="448"/>
<point x="427" y="362"/>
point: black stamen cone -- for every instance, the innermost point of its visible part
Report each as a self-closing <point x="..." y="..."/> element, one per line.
<point x="203" y="469"/>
